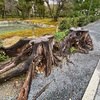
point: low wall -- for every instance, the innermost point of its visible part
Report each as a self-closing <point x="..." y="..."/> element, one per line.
<point x="5" y="23"/>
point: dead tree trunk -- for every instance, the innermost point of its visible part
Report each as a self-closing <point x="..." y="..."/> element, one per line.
<point x="41" y="52"/>
<point x="79" y="39"/>
<point x="25" y="89"/>
<point x="37" y="50"/>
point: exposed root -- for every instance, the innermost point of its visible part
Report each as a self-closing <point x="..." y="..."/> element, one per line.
<point x="43" y="53"/>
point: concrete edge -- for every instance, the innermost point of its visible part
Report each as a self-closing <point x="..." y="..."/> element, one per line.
<point x="93" y="84"/>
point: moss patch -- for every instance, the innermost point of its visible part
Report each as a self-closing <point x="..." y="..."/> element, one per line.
<point x="43" y="31"/>
<point x="43" y="21"/>
<point x="23" y="33"/>
<point x="28" y="33"/>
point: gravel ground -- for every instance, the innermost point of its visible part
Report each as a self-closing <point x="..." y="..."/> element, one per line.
<point x="69" y="81"/>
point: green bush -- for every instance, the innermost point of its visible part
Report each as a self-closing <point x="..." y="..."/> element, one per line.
<point x="62" y="25"/>
<point x="67" y="23"/>
<point x="3" y="57"/>
<point x="82" y="21"/>
<point x="93" y="18"/>
<point x="72" y="22"/>
<point x="60" y="35"/>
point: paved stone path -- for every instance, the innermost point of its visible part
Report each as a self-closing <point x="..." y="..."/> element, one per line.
<point x="97" y="97"/>
<point x="95" y="31"/>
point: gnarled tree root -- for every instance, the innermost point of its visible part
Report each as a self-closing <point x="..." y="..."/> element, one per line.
<point x="42" y="52"/>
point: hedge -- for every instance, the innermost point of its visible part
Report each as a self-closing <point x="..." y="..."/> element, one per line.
<point x="77" y="22"/>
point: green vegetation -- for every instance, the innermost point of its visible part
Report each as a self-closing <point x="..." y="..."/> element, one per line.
<point x="72" y="49"/>
<point x="70" y="22"/>
<point x="76" y="22"/>
<point x="60" y="35"/>
<point x="43" y="8"/>
<point x="65" y="13"/>
<point x="3" y="57"/>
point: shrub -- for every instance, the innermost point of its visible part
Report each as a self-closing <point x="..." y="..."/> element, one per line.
<point x="3" y="57"/>
<point x="72" y="22"/>
<point x="60" y="35"/>
<point x="62" y="25"/>
<point x="82" y="21"/>
<point x="67" y="23"/>
<point x="93" y="18"/>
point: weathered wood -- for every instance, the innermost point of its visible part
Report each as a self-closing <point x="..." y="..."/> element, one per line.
<point x="23" y="68"/>
<point x="21" y="57"/>
<point x="23" y="95"/>
<point x="43" y="52"/>
<point x="16" y="48"/>
<point x="38" y="50"/>
<point x="47" y="56"/>
<point x="41" y="91"/>
<point x="78" y="38"/>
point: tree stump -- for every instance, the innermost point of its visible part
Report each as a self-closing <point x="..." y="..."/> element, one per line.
<point x="42" y="52"/>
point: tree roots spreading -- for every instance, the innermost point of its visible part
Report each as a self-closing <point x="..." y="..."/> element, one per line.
<point x="40" y="54"/>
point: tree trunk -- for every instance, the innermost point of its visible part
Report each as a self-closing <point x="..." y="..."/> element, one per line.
<point x="37" y="50"/>
<point x="50" y="10"/>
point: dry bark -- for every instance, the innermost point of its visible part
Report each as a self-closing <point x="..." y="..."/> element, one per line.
<point x="42" y="52"/>
<point x="41" y="91"/>
<point x="37" y="50"/>
<point x="23" y="95"/>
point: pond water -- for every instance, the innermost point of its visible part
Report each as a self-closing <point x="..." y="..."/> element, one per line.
<point x="5" y="28"/>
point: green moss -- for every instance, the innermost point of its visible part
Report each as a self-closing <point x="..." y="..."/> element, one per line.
<point x="23" y="33"/>
<point x="43" y="31"/>
<point x="72" y="49"/>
